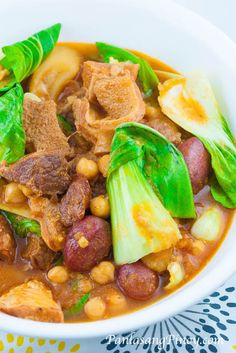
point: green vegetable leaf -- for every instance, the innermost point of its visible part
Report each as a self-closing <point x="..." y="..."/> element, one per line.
<point x="66" y="127"/>
<point x="22" y="226"/>
<point x="140" y="223"/>
<point x="219" y="194"/>
<point x="190" y="103"/>
<point x="12" y="136"/>
<point x="147" y="76"/>
<point x="160" y="161"/>
<point x="77" y="307"/>
<point x="22" y="58"/>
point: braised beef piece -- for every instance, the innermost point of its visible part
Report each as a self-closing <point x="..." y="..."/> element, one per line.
<point x="7" y="241"/>
<point x="41" y="126"/>
<point x="98" y="186"/>
<point x="37" y="252"/>
<point x="75" y="201"/>
<point x="79" y="145"/>
<point x="160" y="122"/>
<point x="45" y="173"/>
<point x="47" y="213"/>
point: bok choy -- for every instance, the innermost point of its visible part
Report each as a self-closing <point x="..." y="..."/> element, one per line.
<point x="140" y="223"/>
<point x="22" y="226"/>
<point x="190" y="103"/>
<point x="160" y="161"/>
<point x="147" y="182"/>
<point x="12" y="136"/>
<point x="147" y="76"/>
<point x="22" y="58"/>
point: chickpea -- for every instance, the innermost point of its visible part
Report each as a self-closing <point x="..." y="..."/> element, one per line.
<point x="100" y="206"/>
<point x="95" y="308"/>
<point x="58" y="274"/>
<point x="103" y="273"/>
<point x="87" y="167"/>
<point x="103" y="164"/>
<point x="116" y="302"/>
<point x="13" y="194"/>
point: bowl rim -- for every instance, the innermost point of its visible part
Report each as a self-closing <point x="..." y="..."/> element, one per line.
<point x="198" y="26"/>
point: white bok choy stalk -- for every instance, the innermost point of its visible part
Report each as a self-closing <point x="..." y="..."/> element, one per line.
<point x="140" y="223"/>
<point x="190" y="103"/>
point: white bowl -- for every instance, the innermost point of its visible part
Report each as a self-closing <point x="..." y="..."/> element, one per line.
<point x="182" y="39"/>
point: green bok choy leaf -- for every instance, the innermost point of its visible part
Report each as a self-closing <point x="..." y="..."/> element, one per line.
<point x="147" y="76"/>
<point x="148" y="181"/>
<point x="22" y="226"/>
<point x="190" y="103"/>
<point x="161" y="162"/>
<point x="12" y="136"/>
<point x="22" y="58"/>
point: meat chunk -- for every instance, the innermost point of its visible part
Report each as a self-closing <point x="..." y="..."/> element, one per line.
<point x="42" y="172"/>
<point x="82" y="115"/>
<point x="37" y="252"/>
<point x="93" y="71"/>
<point x="75" y="201"/>
<point x="72" y="90"/>
<point x="198" y="162"/>
<point x="98" y="186"/>
<point x="113" y="88"/>
<point x="160" y="122"/>
<point x="121" y="99"/>
<point x="48" y="214"/>
<point x="41" y="126"/>
<point x="33" y="301"/>
<point x="7" y="242"/>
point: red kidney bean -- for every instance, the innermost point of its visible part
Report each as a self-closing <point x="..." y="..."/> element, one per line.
<point x="198" y="162"/>
<point x="137" y="281"/>
<point x="87" y="243"/>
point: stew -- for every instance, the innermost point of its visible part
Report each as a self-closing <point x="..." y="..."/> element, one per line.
<point x="118" y="179"/>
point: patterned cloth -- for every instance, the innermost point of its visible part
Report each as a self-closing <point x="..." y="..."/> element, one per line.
<point x="207" y="327"/>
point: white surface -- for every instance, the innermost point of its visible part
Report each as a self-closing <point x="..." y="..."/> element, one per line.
<point x="220" y="12"/>
<point x="165" y="30"/>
